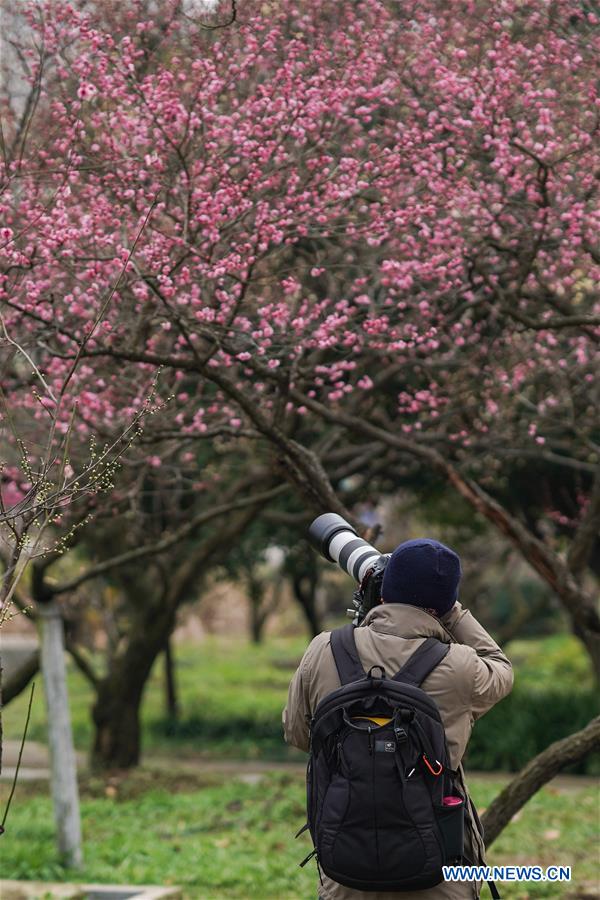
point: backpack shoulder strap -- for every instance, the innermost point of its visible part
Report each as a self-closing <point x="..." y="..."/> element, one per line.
<point x="422" y="662"/>
<point x="345" y="654"/>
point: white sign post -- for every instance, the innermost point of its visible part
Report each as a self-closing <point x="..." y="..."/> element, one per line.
<point x="63" y="769"/>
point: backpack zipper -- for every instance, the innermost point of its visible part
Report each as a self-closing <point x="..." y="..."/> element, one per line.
<point x="308" y="858"/>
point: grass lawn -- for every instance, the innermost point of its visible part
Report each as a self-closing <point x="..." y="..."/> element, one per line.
<point x="229" y="839"/>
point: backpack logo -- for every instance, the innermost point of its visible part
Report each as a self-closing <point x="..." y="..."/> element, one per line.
<point x="385" y="746"/>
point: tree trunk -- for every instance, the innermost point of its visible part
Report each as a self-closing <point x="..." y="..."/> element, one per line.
<point x="258" y="610"/>
<point x="538" y="771"/>
<point x="257" y="622"/>
<point x="591" y="641"/>
<point x="305" y="591"/>
<point x="116" y="715"/>
<point x="116" y="711"/>
<point x="172" y="705"/>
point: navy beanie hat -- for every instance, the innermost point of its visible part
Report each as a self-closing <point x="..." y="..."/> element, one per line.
<point x="423" y="573"/>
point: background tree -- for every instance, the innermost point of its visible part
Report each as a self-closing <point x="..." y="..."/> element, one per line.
<point x="151" y="576"/>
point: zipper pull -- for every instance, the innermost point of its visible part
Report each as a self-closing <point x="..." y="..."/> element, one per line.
<point x="308" y="858"/>
<point x="370" y="729"/>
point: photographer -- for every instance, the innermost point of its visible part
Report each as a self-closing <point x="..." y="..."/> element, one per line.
<point x="418" y="601"/>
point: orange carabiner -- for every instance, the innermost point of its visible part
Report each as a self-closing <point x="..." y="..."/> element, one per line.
<point x="428" y="764"/>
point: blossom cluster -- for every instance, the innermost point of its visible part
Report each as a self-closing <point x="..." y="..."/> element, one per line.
<point x="397" y="207"/>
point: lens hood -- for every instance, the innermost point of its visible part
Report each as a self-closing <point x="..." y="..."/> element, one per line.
<point x="324" y="528"/>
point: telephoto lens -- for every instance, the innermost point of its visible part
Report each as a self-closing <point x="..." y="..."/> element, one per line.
<point x="339" y="542"/>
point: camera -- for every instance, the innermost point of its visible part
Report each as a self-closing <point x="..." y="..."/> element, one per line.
<point x="339" y="542"/>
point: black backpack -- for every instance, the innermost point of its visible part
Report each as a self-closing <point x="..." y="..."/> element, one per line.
<point x="377" y="776"/>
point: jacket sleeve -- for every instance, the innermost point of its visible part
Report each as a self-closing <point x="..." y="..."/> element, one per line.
<point x="492" y="670"/>
<point x="297" y="713"/>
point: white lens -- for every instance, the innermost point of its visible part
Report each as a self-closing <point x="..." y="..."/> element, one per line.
<point x="338" y="542"/>
<point x="366" y="566"/>
<point x="356" y="554"/>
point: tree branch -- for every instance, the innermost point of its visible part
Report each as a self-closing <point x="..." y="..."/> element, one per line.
<point x="302" y="465"/>
<point x="18" y="681"/>
<point x="82" y="663"/>
<point x="538" y="771"/>
<point x="541" y="557"/>
<point x="160" y="546"/>
<point x="556" y="322"/>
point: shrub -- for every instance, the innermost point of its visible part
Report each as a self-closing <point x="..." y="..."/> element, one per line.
<point x="526" y="722"/>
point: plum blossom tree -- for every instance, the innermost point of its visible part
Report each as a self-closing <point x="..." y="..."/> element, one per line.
<point x="155" y="548"/>
<point x="388" y="226"/>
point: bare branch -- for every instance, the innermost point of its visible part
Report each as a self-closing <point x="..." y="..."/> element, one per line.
<point x="538" y="772"/>
<point x="160" y="546"/>
<point x="24" y="353"/>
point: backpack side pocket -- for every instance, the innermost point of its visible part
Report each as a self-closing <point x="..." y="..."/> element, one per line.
<point x="451" y="823"/>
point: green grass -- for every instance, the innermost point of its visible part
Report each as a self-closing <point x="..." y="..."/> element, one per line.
<point x="558" y="660"/>
<point x="228" y="839"/>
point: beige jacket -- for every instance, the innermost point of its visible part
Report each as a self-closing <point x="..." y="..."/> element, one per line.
<point x="473" y="676"/>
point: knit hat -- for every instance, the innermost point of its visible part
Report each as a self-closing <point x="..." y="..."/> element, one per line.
<point x="423" y="573"/>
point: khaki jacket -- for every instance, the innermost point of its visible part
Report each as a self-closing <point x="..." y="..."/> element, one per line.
<point x="473" y="676"/>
